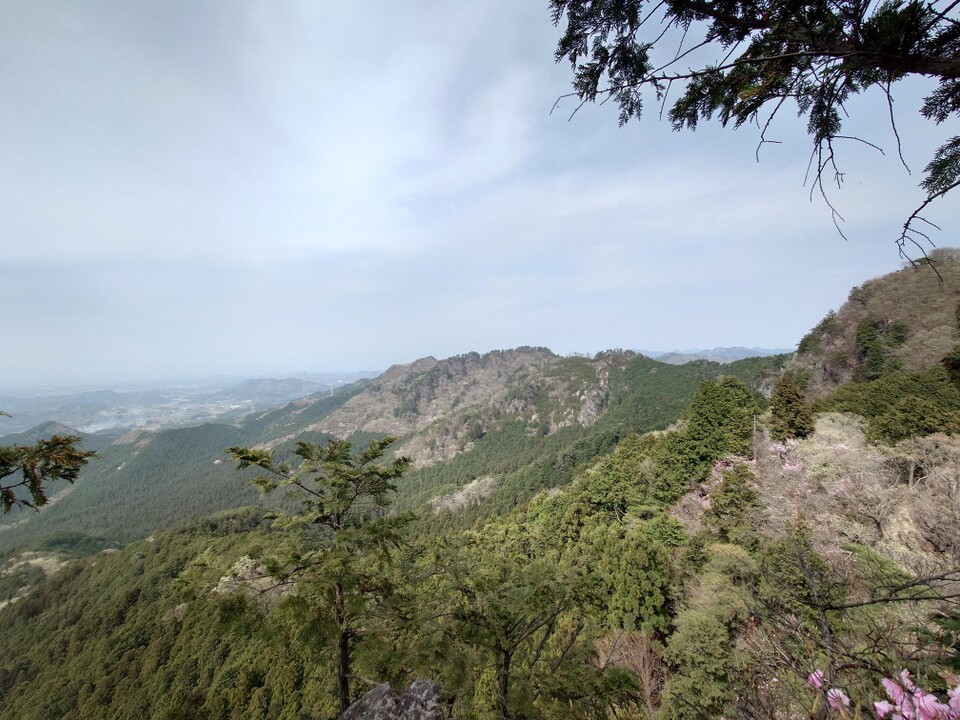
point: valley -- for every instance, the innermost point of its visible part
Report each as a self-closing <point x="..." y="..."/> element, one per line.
<point x="155" y="406"/>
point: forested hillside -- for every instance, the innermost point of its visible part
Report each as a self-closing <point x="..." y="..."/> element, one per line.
<point x="607" y="537"/>
<point x="527" y="419"/>
<point x="629" y="592"/>
<point x="906" y="321"/>
<point x="152" y="479"/>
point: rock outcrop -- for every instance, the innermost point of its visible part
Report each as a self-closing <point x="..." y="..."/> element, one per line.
<point x="421" y="701"/>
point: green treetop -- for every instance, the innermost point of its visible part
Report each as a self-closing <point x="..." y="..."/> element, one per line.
<point x="55" y="458"/>
<point x="344" y="570"/>
<point x="792" y="417"/>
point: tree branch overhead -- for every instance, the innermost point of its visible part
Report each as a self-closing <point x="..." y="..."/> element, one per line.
<point x="817" y="53"/>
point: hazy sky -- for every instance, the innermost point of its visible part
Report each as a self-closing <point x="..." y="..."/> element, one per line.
<point x="254" y="186"/>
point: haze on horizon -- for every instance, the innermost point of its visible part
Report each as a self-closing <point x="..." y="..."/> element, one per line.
<point x="208" y="189"/>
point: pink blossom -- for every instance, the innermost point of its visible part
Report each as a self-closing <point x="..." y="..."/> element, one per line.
<point x="929" y="707"/>
<point x="837" y="698"/>
<point x="906" y="681"/>
<point x="894" y="691"/>
<point x="908" y="701"/>
<point x="882" y="709"/>
<point x="718" y="467"/>
<point x="955" y="699"/>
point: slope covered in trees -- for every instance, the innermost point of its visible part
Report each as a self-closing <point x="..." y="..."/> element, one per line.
<point x="669" y="580"/>
<point x="682" y="552"/>
<point x="527" y="418"/>
<point x="151" y="480"/>
<point x="907" y="320"/>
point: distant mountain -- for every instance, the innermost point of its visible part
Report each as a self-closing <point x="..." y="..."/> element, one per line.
<point x="909" y="319"/>
<point x="91" y="441"/>
<point x="269" y="392"/>
<point x="721" y="355"/>
<point x="526" y="418"/>
<point x="150" y="479"/>
<point x="43" y="430"/>
<point x="91" y="410"/>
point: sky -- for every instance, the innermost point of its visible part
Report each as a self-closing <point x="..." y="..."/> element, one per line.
<point x="256" y="186"/>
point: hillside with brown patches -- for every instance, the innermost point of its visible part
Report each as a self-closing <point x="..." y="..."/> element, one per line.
<point x="906" y="320"/>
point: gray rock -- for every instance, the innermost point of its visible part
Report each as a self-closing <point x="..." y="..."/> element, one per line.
<point x="421" y="701"/>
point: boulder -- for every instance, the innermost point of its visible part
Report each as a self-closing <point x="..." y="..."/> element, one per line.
<point x="421" y="701"/>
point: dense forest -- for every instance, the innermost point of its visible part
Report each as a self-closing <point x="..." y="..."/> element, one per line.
<point x="767" y="539"/>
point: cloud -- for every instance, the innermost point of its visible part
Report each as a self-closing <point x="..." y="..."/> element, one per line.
<point x="320" y="184"/>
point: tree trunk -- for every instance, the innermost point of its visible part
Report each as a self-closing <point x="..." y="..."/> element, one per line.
<point x="503" y="709"/>
<point x="343" y="649"/>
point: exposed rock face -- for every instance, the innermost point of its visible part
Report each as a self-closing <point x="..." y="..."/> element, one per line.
<point x="441" y="407"/>
<point x="421" y="701"/>
<point x="407" y="398"/>
<point x="469" y="495"/>
<point x="249" y="578"/>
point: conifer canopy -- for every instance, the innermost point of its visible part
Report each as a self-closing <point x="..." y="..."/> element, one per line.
<point x="745" y="60"/>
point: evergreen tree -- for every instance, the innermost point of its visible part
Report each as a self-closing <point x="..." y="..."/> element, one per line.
<point x="55" y="458"/>
<point x="733" y="507"/>
<point x="720" y="422"/>
<point x="792" y="417"/>
<point x="757" y="57"/>
<point x="345" y="495"/>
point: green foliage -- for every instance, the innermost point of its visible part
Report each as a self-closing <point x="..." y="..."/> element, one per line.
<point x="21" y="578"/>
<point x="127" y="636"/>
<point x="721" y="419"/>
<point x="874" y="341"/>
<point x="634" y="575"/>
<point x="49" y="460"/>
<point x="756" y="56"/>
<point x="705" y="662"/>
<point x="813" y="339"/>
<point x="796" y="579"/>
<point x="507" y="605"/>
<point x="951" y="364"/>
<point x="791" y="415"/>
<point x="757" y="372"/>
<point x="734" y="505"/>
<point x="625" y="479"/>
<point x="517" y="618"/>
<point x="346" y="572"/>
<point x="899" y="406"/>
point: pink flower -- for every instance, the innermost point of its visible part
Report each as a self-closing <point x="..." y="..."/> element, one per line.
<point x="882" y="709"/>
<point x="815" y="679"/>
<point x="929" y="707"/>
<point x="906" y="681"/>
<point x="955" y="699"/>
<point x="837" y="698"/>
<point x="894" y="691"/>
